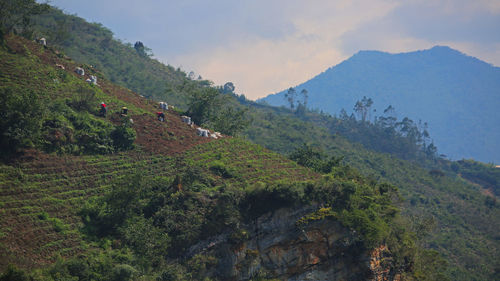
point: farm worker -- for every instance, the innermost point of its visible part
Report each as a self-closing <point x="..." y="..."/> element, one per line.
<point x="124" y="110"/>
<point x="103" y="109"/>
<point x="161" y="116"/>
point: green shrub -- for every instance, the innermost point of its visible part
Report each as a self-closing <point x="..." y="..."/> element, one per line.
<point x="260" y="199"/>
<point x="43" y="216"/>
<point x="67" y="131"/>
<point x="12" y="273"/>
<point x="123" y="137"/>
<point x="218" y="168"/>
<point x="148" y="241"/>
<point x="199" y="265"/>
<point x="84" y="99"/>
<point x="173" y="272"/>
<point x="124" y="272"/>
<point x="238" y="236"/>
<point x="58" y="225"/>
<point x="21" y="115"/>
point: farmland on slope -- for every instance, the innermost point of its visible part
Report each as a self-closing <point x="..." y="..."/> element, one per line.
<point x="41" y="194"/>
<point x="460" y="233"/>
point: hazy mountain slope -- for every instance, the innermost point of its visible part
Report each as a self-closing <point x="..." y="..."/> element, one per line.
<point x="176" y="206"/>
<point x="93" y="44"/>
<point x="464" y="217"/>
<point x="457" y="95"/>
<point x="281" y="130"/>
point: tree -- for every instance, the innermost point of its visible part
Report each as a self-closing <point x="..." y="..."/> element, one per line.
<point x="21" y="115"/>
<point x="302" y="106"/>
<point x="290" y="96"/>
<point x="362" y="108"/>
<point x="203" y="104"/>
<point x="431" y="150"/>
<point x="123" y="137"/>
<point x="12" y="273"/>
<point x="305" y="97"/>
<point x="228" y="88"/>
<point x="139" y="47"/>
<point x="142" y="50"/>
<point x="230" y="121"/>
<point x="315" y="159"/>
<point x="15" y="15"/>
<point x="208" y="107"/>
<point x="389" y="118"/>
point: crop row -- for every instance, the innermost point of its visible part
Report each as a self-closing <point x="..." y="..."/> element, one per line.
<point x="39" y="200"/>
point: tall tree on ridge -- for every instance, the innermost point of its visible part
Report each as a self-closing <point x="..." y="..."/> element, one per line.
<point x="290" y="95"/>
<point x="362" y="107"/>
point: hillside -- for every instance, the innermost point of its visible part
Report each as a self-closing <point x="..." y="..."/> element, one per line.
<point x="455" y="94"/>
<point x="429" y="198"/>
<point x="461" y="218"/>
<point x="94" y="45"/>
<point x="85" y="203"/>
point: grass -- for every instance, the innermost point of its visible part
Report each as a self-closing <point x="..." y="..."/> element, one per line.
<point x="53" y="189"/>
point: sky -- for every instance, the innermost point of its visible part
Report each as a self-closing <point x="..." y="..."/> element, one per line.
<point x="265" y="46"/>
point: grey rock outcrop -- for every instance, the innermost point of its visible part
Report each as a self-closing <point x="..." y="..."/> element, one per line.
<point x="277" y="248"/>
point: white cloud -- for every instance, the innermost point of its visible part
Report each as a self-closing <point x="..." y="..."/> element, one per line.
<point x="259" y="66"/>
<point x="264" y="46"/>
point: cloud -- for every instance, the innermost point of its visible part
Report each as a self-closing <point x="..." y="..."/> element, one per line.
<point x="264" y="66"/>
<point x="260" y="65"/>
<point x="264" y="46"/>
<point x="469" y="26"/>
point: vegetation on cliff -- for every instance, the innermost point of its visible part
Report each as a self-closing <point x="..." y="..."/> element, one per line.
<point x="447" y="213"/>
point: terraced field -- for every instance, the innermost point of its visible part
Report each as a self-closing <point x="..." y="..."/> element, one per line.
<point x="250" y="161"/>
<point x="41" y="198"/>
<point x="41" y="194"/>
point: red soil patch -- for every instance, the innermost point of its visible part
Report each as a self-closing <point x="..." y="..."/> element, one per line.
<point x="170" y="137"/>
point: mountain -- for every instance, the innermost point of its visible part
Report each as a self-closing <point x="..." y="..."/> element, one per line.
<point x="457" y="95"/>
<point x="86" y="196"/>
<point x="94" y="45"/>
<point x="451" y="206"/>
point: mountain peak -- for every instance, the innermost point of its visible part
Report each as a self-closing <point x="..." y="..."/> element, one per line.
<point x="438" y="49"/>
<point x="434" y="49"/>
<point x="457" y="94"/>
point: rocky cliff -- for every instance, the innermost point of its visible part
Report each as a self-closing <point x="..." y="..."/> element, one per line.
<point x="274" y="246"/>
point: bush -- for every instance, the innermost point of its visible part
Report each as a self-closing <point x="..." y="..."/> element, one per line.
<point x="21" y="115"/>
<point x="261" y="199"/>
<point x="148" y="242"/>
<point x="123" y="137"/>
<point x="68" y="131"/>
<point x="221" y="170"/>
<point x="238" y="236"/>
<point x="58" y="225"/>
<point x="43" y="216"/>
<point x="123" y="272"/>
<point x="84" y="99"/>
<point x="14" y="274"/>
<point x="173" y="272"/>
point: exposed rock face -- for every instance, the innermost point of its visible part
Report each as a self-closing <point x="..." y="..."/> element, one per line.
<point x="277" y="248"/>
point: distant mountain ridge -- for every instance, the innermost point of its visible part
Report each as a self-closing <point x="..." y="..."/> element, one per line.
<point x="458" y="95"/>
